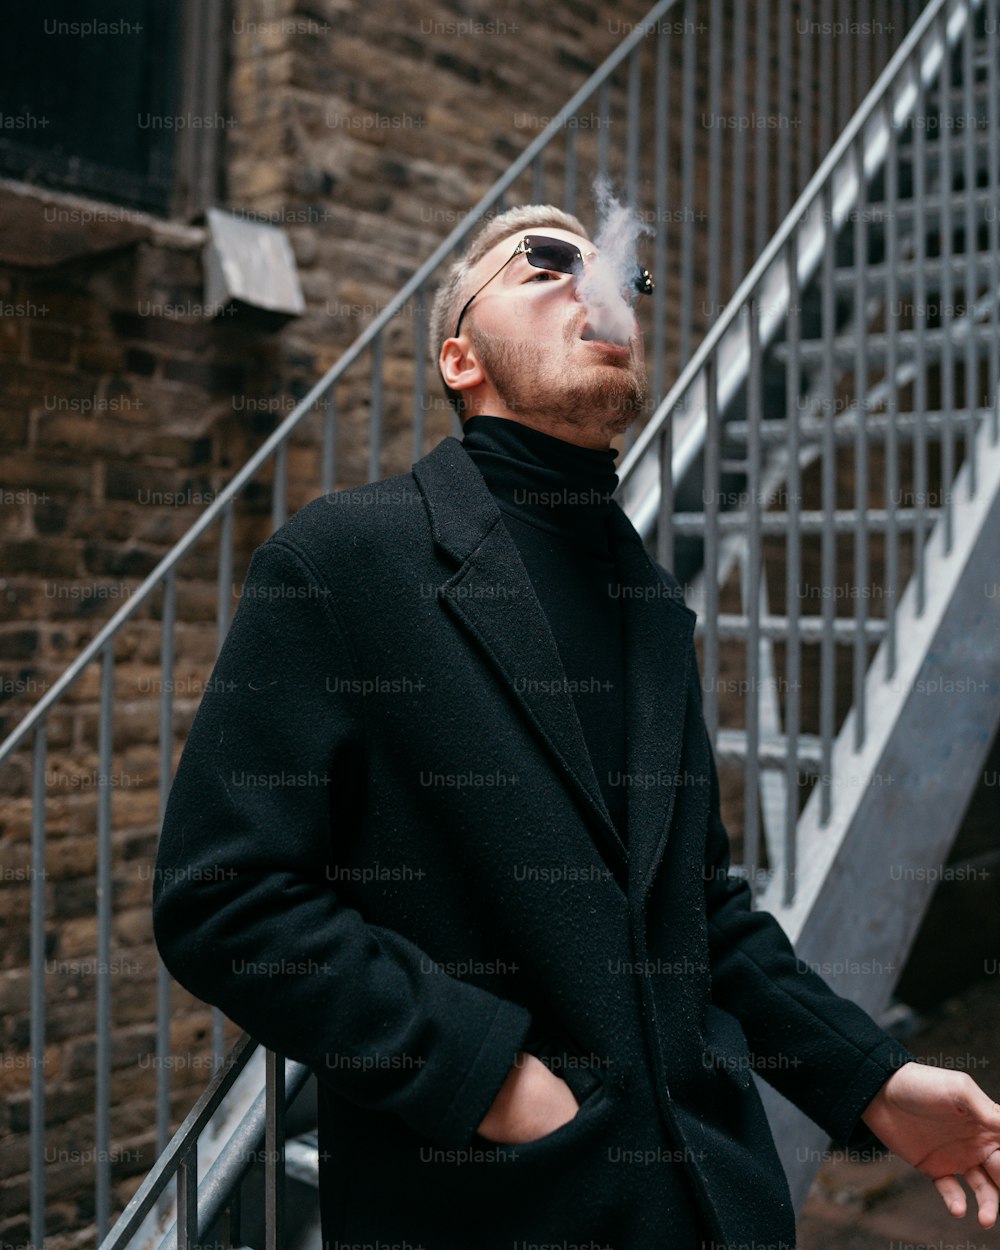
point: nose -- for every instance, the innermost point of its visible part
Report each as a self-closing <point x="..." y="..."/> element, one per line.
<point x="581" y="273"/>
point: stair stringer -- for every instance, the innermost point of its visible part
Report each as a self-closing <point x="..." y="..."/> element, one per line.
<point x="929" y="730"/>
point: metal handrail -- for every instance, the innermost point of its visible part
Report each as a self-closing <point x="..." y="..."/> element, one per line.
<point x="731" y="357"/>
<point x="776" y="298"/>
<point x="167" y="1165"/>
<point x="214" y="1192"/>
<point x="307" y="404"/>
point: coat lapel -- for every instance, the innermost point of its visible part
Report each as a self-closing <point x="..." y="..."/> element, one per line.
<point x="491" y="596"/>
<point x="658" y="628"/>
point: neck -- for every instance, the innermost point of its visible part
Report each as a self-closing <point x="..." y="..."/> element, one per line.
<point x="592" y="433"/>
<point x="552" y="483"/>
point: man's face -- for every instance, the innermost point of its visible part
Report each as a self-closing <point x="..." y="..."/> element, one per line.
<point x="530" y="330"/>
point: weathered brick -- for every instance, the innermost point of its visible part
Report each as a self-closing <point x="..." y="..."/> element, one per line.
<point x="11" y="338"/>
<point x="213" y="376"/>
<point x="51" y="343"/>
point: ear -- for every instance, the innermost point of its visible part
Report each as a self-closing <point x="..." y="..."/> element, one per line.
<point x="459" y="364"/>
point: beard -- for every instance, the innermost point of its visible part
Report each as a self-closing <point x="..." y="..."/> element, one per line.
<point x="530" y="380"/>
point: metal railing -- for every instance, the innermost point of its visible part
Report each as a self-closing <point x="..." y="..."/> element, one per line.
<point x="843" y="381"/>
<point x="202" y="1203"/>
<point x="630" y="93"/>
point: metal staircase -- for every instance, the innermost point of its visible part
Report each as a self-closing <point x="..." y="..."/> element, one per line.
<point x="875" y="379"/>
<point x="811" y="392"/>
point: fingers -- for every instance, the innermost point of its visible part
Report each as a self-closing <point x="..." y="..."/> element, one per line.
<point x="977" y="1102"/>
<point x="987" y="1196"/>
<point x="952" y="1193"/>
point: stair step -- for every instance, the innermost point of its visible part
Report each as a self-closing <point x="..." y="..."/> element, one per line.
<point x="932" y="205"/>
<point x="733" y="627"/>
<point x="772" y="750"/>
<point x="905" y="273"/>
<point x="877" y="345"/>
<point x="934" y="148"/>
<point x="302" y="1159"/>
<point x="877" y="427"/>
<point x="980" y="91"/>
<point x="692" y="524"/>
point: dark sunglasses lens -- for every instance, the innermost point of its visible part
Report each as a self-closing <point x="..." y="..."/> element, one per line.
<point x="553" y="254"/>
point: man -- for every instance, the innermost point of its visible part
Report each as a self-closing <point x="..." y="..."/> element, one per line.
<point x="412" y="841"/>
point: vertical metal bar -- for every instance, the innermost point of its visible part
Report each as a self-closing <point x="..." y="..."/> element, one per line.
<point x="225" y="585"/>
<point x="710" y="503"/>
<point x="863" y="53"/>
<point x="945" y="251"/>
<point x="329" y="402"/>
<point x="762" y="186"/>
<point x="660" y="176"/>
<point x="993" y="180"/>
<point x="971" y="249"/>
<point x="826" y="112"/>
<point x="569" y="190"/>
<point x="375" y="423"/>
<point x="687" y="177"/>
<point x="604" y="127"/>
<point x="187" y="1199"/>
<point x="793" y="565"/>
<point x="882" y="41"/>
<point x="739" y="153"/>
<point x="279" y="497"/>
<point x="163" y="995"/>
<point x="633" y="130"/>
<point x="37" y="1025"/>
<point x="102" y="1060"/>
<point x="224" y="602"/>
<point x="274" y="1151"/>
<point x="899" y="21"/>
<point x="920" y="362"/>
<point x="538" y="176"/>
<point x="845" y="54"/>
<point x="829" y="554"/>
<point x="419" y="373"/>
<point x="751" y="599"/>
<point x="785" y="108"/>
<point x="891" y="394"/>
<point x="805" y="92"/>
<point x="715" y="200"/>
<point x="861" y="574"/>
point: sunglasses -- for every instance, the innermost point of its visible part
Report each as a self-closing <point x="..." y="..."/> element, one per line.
<point x="558" y="256"/>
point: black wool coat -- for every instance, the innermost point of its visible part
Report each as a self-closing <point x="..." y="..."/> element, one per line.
<point x="386" y="855"/>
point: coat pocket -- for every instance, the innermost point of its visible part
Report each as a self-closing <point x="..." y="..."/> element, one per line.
<point x="581" y="1073"/>
<point x="585" y="1113"/>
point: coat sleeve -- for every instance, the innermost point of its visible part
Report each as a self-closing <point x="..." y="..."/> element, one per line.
<point x="244" y="913"/>
<point x="821" y="1051"/>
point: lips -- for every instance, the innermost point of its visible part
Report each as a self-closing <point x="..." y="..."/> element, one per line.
<point x="589" y="335"/>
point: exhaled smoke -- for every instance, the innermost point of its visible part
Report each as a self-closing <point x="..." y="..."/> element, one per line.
<point x="613" y="270"/>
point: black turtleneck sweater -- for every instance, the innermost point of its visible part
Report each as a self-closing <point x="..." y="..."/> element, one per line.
<point x="555" y="498"/>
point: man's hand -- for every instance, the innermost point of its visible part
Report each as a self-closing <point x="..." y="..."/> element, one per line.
<point x="943" y="1124"/>
<point x="531" y="1102"/>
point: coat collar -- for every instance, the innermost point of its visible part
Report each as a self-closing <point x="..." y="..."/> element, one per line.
<point x="491" y="596"/>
